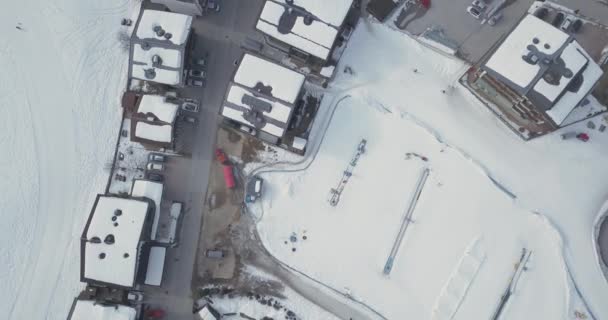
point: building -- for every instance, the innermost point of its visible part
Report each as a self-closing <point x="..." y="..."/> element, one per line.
<point x="304" y="28"/>
<point x="159" y="47"/>
<point x="189" y="7"/>
<point x="380" y="9"/>
<point x="152" y="191"/>
<point x="208" y="313"/>
<point x="114" y="240"/>
<point x="262" y="96"/>
<point x="153" y="119"/>
<point x="537" y="77"/>
<point x="93" y="310"/>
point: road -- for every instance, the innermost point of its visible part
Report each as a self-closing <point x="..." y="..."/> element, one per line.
<point x="219" y="35"/>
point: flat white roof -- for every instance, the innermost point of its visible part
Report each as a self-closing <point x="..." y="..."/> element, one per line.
<point x="156" y="266"/>
<point x="237" y="115"/>
<point x="286" y="84"/>
<point x="574" y="61"/>
<point x="507" y="60"/>
<point x="316" y="38"/>
<point x="570" y="100"/>
<point x="160" y="133"/>
<point x="88" y="310"/>
<point x="169" y="57"/>
<point x="153" y="191"/>
<point x="155" y="104"/>
<point x="179" y="25"/>
<point x="115" y="262"/>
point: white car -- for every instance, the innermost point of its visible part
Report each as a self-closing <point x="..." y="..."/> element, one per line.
<point x="190" y="106"/>
<point x="475" y="12"/>
<point x="155" y="166"/>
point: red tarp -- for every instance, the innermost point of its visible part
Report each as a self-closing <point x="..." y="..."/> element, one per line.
<point x="229" y="177"/>
<point x="425" y="3"/>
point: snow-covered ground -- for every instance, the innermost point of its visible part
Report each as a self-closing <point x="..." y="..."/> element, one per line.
<point x="489" y="195"/>
<point x="63" y="71"/>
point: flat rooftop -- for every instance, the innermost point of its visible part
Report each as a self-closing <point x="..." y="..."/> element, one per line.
<point x="311" y="26"/>
<point x="112" y="240"/>
<point x="90" y="310"/>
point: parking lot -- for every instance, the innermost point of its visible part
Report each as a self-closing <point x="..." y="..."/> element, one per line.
<point x="468" y="35"/>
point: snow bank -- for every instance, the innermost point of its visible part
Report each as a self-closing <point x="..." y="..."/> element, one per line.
<point x="60" y="88"/>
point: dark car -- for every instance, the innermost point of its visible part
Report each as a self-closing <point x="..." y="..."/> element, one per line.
<point x="155" y="177"/>
<point x="190" y="119"/>
<point x="558" y="19"/>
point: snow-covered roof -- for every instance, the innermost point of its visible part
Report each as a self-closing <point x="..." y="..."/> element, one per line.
<point x="507" y="60"/>
<point x="118" y="224"/>
<point x="156" y="265"/>
<point x="591" y="75"/>
<point x="574" y="61"/>
<point x="155" y="104"/>
<point x="285" y="83"/>
<point x="274" y="88"/>
<point x="178" y="25"/>
<point x="153" y="132"/>
<point x="316" y="37"/>
<point x="153" y="191"/>
<point x="169" y="77"/>
<point x="89" y="310"/>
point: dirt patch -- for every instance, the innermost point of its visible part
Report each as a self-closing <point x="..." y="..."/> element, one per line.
<point x="251" y="146"/>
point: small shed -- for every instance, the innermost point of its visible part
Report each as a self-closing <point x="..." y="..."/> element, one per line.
<point x="208" y="313"/>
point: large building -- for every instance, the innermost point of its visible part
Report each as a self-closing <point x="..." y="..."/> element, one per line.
<point x="159" y="47"/>
<point x="114" y="241"/>
<point x="307" y="28"/>
<point x="537" y="77"/>
<point x="262" y="96"/>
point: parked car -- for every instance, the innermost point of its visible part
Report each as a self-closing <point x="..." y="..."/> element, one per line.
<point x="135" y="296"/>
<point x="155" y="157"/>
<point x="247" y="129"/>
<point x="155" y="177"/>
<point x="213" y="5"/>
<point x="201" y="62"/>
<point x="541" y="13"/>
<point x="495" y="18"/>
<point x="576" y="26"/>
<point x="190" y="106"/>
<point x="557" y="20"/>
<point x="214" y="254"/>
<point x="195" y="83"/>
<point x="567" y="24"/>
<point x="481" y="4"/>
<point x="475" y="12"/>
<point x="189" y="119"/>
<point x="155" y="166"/>
<point x="195" y="73"/>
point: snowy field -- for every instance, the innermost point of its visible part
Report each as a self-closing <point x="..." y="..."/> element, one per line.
<point x="468" y="232"/>
<point x="63" y="71"/>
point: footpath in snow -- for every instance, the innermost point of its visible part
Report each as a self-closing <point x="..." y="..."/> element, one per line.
<point x="63" y="72"/>
<point x="490" y="198"/>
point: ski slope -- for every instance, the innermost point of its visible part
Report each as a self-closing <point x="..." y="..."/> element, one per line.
<point x="489" y="196"/>
<point x="63" y="71"/>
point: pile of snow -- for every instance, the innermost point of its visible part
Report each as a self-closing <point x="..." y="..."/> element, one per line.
<point x="466" y="219"/>
<point x="63" y="74"/>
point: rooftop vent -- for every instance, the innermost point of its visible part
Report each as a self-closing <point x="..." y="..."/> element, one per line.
<point x="159" y="31"/>
<point x="168" y="35"/>
<point x="95" y="240"/>
<point x="109" y="239"/>
<point x="117" y="212"/>
<point x="102" y="255"/>
<point x="157" y="60"/>
<point x="150" y="73"/>
<point x="126" y="255"/>
<point x="145" y="46"/>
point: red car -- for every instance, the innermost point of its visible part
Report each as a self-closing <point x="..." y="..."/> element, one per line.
<point x="155" y="314"/>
